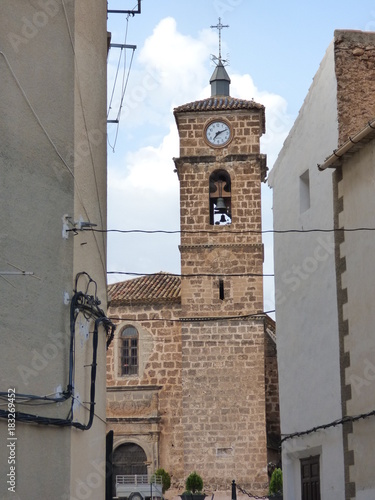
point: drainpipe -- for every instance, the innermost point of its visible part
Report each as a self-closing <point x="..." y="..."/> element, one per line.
<point x="352" y="141"/>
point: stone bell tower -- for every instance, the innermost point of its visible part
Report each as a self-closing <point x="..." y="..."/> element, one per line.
<point x="220" y="170"/>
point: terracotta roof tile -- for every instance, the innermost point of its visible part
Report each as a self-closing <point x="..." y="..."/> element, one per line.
<point x="160" y="287"/>
<point x="218" y="103"/>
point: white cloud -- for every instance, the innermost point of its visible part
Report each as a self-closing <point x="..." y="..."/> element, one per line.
<point x="179" y="62"/>
<point x="170" y="69"/>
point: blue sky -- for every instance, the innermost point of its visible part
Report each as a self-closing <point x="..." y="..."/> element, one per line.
<point x="274" y="49"/>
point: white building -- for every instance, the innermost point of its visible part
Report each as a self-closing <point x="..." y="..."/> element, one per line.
<point x="53" y="174"/>
<point x="326" y="351"/>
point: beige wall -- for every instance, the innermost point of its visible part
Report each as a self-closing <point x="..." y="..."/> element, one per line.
<point x="46" y="81"/>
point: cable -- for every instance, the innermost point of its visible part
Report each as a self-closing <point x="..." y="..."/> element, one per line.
<point x="88" y="409"/>
<point x="114" y="83"/>
<point x="124" y="85"/>
<point x="197" y="275"/>
<point x="88" y="305"/>
<point x="121" y="104"/>
<point x="341" y="421"/>
<point x="261" y="314"/>
<point x="35" y="114"/>
<point x="215" y="232"/>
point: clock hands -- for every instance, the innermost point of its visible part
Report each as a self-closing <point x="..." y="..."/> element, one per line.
<point x="219" y="132"/>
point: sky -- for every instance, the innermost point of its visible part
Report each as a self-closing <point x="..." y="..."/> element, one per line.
<point x="273" y="49"/>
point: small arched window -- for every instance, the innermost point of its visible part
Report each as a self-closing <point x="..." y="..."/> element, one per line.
<point x="129" y="351"/>
<point x="220" y="198"/>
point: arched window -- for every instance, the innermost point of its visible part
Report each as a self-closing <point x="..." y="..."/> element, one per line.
<point x="128" y="458"/>
<point x="129" y="351"/>
<point x="220" y="198"/>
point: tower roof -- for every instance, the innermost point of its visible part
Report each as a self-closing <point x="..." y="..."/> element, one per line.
<point x="220" y="81"/>
<point x="222" y="103"/>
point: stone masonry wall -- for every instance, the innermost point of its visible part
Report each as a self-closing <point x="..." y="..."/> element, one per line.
<point x="355" y="73"/>
<point x="272" y="400"/>
<point x="224" y="403"/>
<point x="160" y="344"/>
<point x="246" y="125"/>
<point x="223" y="363"/>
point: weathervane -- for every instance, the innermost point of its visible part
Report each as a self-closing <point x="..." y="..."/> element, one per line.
<point x="219" y="27"/>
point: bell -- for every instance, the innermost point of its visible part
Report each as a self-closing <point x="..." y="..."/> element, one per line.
<point x="223" y="218"/>
<point x="221" y="207"/>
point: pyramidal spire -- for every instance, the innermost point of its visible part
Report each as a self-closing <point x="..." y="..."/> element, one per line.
<point x="220" y="80"/>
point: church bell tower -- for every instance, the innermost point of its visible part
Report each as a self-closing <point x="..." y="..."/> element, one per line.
<point x="220" y="170"/>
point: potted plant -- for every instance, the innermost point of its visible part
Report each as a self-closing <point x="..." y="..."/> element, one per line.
<point x="276" y="484"/>
<point x="194" y="487"/>
<point x="165" y="479"/>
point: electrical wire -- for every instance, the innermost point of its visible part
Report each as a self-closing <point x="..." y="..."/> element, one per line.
<point x="124" y="86"/>
<point x="121" y="105"/>
<point x="88" y="305"/>
<point x="114" y="84"/>
<point x="197" y="275"/>
<point x="261" y="314"/>
<point x="88" y="409"/>
<point x="215" y="232"/>
<point x="341" y="421"/>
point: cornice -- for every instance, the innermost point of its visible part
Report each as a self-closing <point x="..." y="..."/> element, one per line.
<point x="221" y="245"/>
<point x="219" y="159"/>
<point x="133" y="388"/>
<point x="134" y="420"/>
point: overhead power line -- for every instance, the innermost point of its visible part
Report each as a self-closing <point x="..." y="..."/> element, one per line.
<point x="216" y="232"/>
<point x="261" y="314"/>
<point x="197" y="275"/>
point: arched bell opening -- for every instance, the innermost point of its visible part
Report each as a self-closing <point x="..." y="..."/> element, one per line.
<point x="220" y="198"/>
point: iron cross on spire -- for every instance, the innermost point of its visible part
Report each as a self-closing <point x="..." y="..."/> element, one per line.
<point x="219" y="27"/>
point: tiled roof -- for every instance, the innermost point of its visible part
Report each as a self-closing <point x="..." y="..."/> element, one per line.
<point x="218" y="103"/>
<point x="160" y="287"/>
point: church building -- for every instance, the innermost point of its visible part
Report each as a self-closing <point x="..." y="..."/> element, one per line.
<point x="192" y="372"/>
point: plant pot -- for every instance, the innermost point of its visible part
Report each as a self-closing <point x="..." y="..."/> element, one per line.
<point x="193" y="496"/>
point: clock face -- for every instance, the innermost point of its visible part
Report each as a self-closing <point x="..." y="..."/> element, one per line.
<point x="218" y="133"/>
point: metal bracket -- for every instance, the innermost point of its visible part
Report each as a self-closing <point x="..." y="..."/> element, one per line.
<point x="131" y="12"/>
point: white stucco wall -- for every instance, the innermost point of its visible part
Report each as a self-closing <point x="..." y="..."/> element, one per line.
<point x="357" y="188"/>
<point x="40" y="129"/>
<point x="306" y="307"/>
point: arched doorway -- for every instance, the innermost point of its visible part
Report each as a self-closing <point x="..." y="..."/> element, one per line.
<point x="128" y="458"/>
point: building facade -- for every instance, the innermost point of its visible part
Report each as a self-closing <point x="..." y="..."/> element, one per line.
<point x="53" y="175"/>
<point x="323" y="280"/>
<point x="197" y="397"/>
